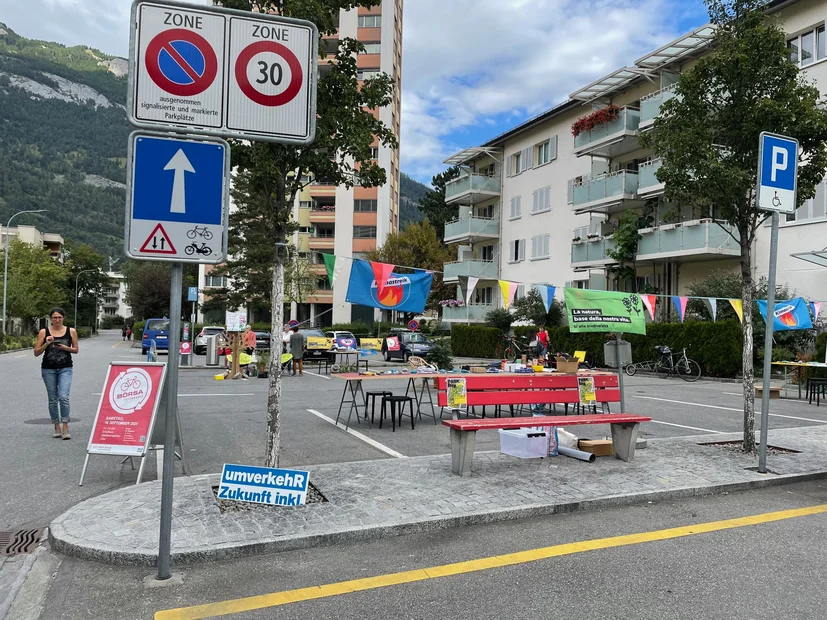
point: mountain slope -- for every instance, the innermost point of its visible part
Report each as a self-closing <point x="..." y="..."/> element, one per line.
<point x="411" y="192"/>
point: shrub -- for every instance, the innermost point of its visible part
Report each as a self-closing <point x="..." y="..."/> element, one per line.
<point x="500" y="319"/>
<point x="476" y="341"/>
<point x="354" y="328"/>
<point x="138" y="330"/>
<point x="441" y="356"/>
<point x="110" y="322"/>
<point x="84" y="332"/>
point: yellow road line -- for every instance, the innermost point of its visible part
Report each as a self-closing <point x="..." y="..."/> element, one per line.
<point x="286" y="597"/>
<point x="117" y="344"/>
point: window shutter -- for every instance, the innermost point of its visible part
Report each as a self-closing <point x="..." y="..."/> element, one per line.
<point x="552" y="148"/>
<point x="534" y="201"/>
<point x="529" y="157"/>
<point x="570" y="192"/>
<point x="508" y="166"/>
<point x="547" y="198"/>
<point x="546" y="245"/>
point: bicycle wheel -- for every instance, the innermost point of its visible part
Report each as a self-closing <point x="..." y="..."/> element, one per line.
<point x="191" y="234"/>
<point x="631" y="369"/>
<point x="511" y="352"/>
<point x="207" y="235"/>
<point x="662" y="368"/>
<point x="688" y="370"/>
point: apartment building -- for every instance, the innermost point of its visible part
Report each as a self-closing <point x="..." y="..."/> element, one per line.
<point x="334" y="219"/>
<point x="538" y="204"/>
<point x="113" y="302"/>
<point x="31" y="235"/>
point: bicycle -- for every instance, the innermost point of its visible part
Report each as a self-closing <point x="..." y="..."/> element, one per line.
<point x="515" y="349"/>
<point x="201" y="231"/>
<point x="131" y="384"/>
<point x="687" y="369"/>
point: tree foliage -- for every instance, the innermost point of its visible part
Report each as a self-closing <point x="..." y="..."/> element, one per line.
<point x="87" y="269"/>
<point x="707" y="136"/>
<point x="148" y="287"/>
<point x="433" y="204"/>
<point x="530" y="307"/>
<point x="36" y="283"/>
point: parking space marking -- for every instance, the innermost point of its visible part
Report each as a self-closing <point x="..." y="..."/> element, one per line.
<point x="774" y="415"/>
<point x="358" y="435"/>
<point x="315" y="374"/>
<point x="288" y="597"/>
<point x="692" y="428"/>
<point x="17" y="357"/>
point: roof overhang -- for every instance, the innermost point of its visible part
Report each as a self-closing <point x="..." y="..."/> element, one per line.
<point x="818" y="257"/>
<point x="615" y="81"/>
<point x="471" y="153"/>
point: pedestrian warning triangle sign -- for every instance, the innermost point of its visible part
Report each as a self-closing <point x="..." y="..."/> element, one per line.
<point x="158" y="242"/>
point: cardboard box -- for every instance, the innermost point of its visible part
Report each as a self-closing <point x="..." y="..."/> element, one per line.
<point x="598" y="447"/>
<point x="568" y="367"/>
<point x="475" y="369"/>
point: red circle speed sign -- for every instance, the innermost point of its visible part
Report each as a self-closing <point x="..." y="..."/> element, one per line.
<point x="181" y="62"/>
<point x="254" y="94"/>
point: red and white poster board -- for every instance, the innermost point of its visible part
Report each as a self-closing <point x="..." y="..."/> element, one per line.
<point x="393" y="343"/>
<point x="126" y="411"/>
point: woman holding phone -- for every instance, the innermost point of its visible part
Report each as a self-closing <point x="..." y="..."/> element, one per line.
<point x="57" y="343"/>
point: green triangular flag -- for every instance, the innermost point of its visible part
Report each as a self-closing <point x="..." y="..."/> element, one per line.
<point x="334" y="265"/>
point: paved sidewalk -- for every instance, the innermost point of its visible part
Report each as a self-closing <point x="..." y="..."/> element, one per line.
<point x="389" y="497"/>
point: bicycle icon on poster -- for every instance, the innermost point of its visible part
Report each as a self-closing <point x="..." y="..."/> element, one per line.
<point x="201" y="231"/>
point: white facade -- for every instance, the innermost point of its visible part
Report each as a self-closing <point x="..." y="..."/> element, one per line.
<point x="113" y="302"/>
<point x="558" y="207"/>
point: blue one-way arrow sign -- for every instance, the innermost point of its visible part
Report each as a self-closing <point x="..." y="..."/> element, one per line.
<point x="177" y="198"/>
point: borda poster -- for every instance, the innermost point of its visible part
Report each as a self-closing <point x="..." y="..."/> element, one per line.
<point x="126" y="412"/>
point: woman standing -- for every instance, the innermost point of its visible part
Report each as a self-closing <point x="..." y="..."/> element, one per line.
<point x="57" y="344"/>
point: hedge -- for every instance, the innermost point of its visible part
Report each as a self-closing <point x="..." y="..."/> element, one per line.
<point x="715" y="346"/>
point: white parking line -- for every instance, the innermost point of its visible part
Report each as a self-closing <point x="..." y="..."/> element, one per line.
<point x="733" y="393"/>
<point x="692" y="428"/>
<point x="775" y="415"/>
<point x="315" y="374"/>
<point x="358" y="435"/>
<point x="17" y="357"/>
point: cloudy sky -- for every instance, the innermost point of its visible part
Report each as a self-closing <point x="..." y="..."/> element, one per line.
<point x="471" y="68"/>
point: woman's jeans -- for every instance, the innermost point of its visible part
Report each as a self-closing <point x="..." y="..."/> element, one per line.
<point x="58" y="383"/>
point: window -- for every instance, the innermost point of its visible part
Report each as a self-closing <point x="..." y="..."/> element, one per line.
<point x="362" y="206"/>
<point x="541" y="200"/>
<point x="323" y="284"/>
<point x="540" y="247"/>
<point x="304" y="229"/>
<point x="369" y="21"/>
<point x="484" y="296"/>
<point x="305" y="204"/>
<point x="364" y="232"/>
<point x="543" y="150"/>
<point x="516" y="251"/>
<point x="487" y="252"/>
<point x="374" y="152"/>
<point x="518" y="162"/>
<point x="366" y="74"/>
<point x="372" y="48"/>
<point x="814" y="209"/>
<point x="516" y="209"/>
<point x="215" y="281"/>
<point x="808" y="47"/>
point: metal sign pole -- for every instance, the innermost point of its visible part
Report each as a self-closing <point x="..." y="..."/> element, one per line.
<point x="170" y="426"/>
<point x="765" y="391"/>
<point x="619" y="373"/>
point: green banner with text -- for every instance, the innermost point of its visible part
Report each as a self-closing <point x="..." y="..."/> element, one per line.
<point x="604" y="311"/>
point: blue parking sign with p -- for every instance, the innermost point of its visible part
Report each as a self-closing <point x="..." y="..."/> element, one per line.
<point x="777" y="173"/>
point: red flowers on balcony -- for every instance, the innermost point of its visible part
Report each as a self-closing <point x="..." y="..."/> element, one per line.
<point x="595" y="119"/>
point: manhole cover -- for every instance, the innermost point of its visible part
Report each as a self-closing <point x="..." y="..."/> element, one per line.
<point x="47" y="421"/>
<point x="19" y="542"/>
<point x="314" y="496"/>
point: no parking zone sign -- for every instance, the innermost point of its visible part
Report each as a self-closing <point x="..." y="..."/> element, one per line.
<point x="216" y="71"/>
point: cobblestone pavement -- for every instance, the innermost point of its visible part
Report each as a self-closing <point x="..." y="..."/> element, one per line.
<point x="397" y="496"/>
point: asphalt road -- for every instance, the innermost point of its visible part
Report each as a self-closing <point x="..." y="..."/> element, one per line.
<point x="766" y="570"/>
<point x="225" y="422"/>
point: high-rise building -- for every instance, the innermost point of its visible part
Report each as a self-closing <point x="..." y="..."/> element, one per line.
<point x="347" y="221"/>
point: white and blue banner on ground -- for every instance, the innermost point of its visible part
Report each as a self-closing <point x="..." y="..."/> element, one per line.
<point x="263" y="485"/>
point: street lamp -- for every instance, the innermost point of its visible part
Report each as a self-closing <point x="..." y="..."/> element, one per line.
<point x="76" y="294"/>
<point x="6" y="259"/>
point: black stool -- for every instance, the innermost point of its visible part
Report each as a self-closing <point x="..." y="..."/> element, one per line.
<point x="393" y="400"/>
<point x="373" y="395"/>
<point x="816" y="386"/>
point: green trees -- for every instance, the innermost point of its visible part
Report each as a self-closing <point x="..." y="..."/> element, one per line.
<point x="530" y="307"/>
<point x="433" y="204"/>
<point x="707" y="136"/>
<point x="36" y="283"/>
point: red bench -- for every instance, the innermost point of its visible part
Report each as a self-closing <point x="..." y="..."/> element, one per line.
<point x="464" y="432"/>
<point x="530" y="389"/>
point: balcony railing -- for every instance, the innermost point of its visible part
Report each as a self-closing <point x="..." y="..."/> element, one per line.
<point x="323" y="208"/>
<point x="472" y="187"/>
<point x="476" y="268"/>
<point x="650" y="105"/>
<point x="605" y="189"/>
<point x="647" y="178"/>
<point x="610" y="135"/>
<point x="591" y="251"/>
<point x="472" y="313"/>
<point x="470" y="227"/>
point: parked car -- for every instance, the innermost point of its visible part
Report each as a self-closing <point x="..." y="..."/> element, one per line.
<point x="342" y="340"/>
<point x="410" y="343"/>
<point x="199" y="347"/>
<point x="318" y="345"/>
<point x="262" y="340"/>
<point x="157" y="330"/>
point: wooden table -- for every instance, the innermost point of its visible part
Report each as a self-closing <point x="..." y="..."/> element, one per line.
<point x="799" y="367"/>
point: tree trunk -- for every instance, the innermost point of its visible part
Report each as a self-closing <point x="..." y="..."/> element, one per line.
<point x="748" y="370"/>
<point x="274" y="375"/>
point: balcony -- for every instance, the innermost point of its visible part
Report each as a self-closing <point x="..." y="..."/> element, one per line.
<point x="648" y="184"/>
<point x="471" y="188"/>
<point x="472" y="229"/>
<point x="607" y="193"/>
<point x="612" y="139"/>
<point x="475" y="313"/>
<point x="322" y="214"/>
<point x="692" y="241"/>
<point x="650" y="106"/>
<point x="322" y="241"/>
<point x="486" y="270"/>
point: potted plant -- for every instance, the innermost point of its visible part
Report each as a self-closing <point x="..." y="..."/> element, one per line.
<point x="576" y="240"/>
<point x="592" y="236"/>
<point x="440" y="356"/>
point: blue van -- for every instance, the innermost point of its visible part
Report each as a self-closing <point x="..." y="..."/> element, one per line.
<point x="157" y="330"/>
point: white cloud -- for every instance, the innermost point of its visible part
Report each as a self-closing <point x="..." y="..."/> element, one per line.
<point x="468" y="61"/>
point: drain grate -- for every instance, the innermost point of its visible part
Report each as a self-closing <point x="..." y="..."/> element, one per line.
<point x="19" y="542"/>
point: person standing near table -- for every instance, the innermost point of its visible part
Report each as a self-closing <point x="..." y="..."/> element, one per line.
<point x="249" y="340"/>
<point x="542" y="336"/>
<point x="297" y="351"/>
<point x="57" y="344"/>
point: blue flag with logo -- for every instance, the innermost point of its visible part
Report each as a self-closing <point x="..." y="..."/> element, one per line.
<point x="406" y="292"/>
<point x="788" y="315"/>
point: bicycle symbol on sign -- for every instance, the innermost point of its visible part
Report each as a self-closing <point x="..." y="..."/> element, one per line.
<point x="133" y="383"/>
<point x="201" y="231"/>
<point x="776" y="201"/>
<point x="193" y="248"/>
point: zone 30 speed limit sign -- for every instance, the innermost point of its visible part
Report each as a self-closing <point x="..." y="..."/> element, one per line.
<point x="216" y="71"/>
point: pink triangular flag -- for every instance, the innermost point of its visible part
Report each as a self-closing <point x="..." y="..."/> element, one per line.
<point x="650" y="302"/>
<point x="381" y="272"/>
